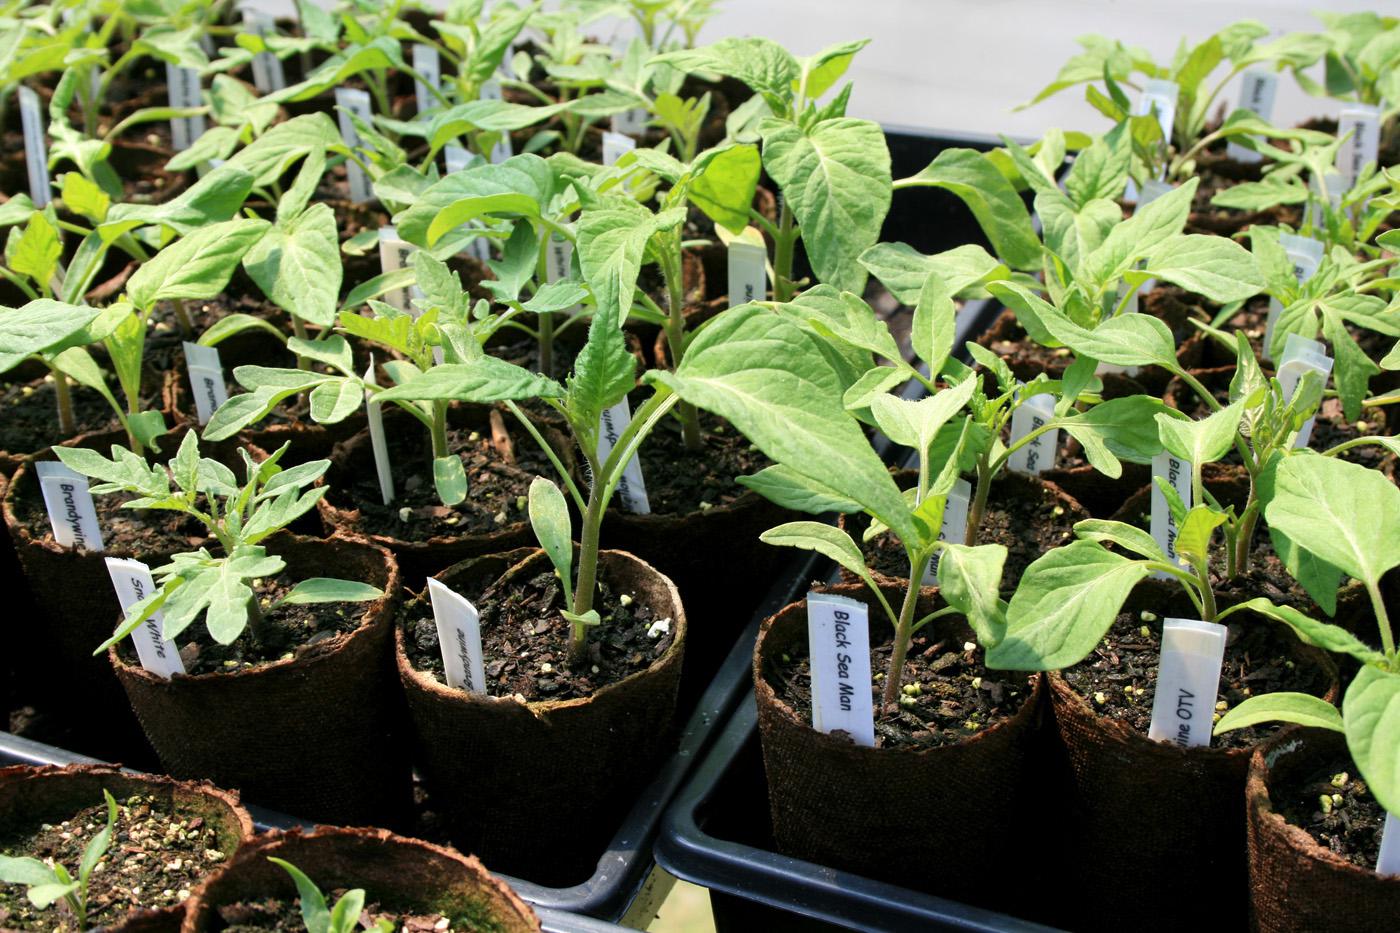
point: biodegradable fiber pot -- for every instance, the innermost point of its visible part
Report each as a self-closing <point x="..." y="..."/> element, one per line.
<point x="955" y="821"/>
<point x="1156" y="832"/>
<point x="401" y="876"/>
<point x="536" y="789"/>
<point x="314" y="735"/>
<point x="1296" y="885"/>
<point x="32" y="796"/>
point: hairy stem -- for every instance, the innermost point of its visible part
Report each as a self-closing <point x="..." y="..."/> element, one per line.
<point x="672" y="272"/>
<point x="587" y="561"/>
<point x="903" y="632"/>
<point x="783" y="254"/>
<point x="182" y="316"/>
<point x="979" y="500"/>
<point x="67" y="423"/>
<point x="1382" y="619"/>
<point x="546" y="319"/>
<point x="439" y="430"/>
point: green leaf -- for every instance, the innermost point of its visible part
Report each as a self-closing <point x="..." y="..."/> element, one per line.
<point x="298" y="265"/>
<point x="905" y="271"/>
<point x="932" y="330"/>
<point x="1150" y="227"/>
<point x="37" y="251"/>
<point x="827" y="540"/>
<point x="974" y="178"/>
<point x="314" y="914"/>
<point x="330" y="590"/>
<point x="486" y="379"/>
<point x="821" y="71"/>
<point x="612" y="242"/>
<point x="1124" y="535"/>
<point x="231" y="324"/>
<point x="1118" y="429"/>
<point x="1300" y="708"/>
<point x="762" y="64"/>
<point x="38" y="326"/>
<point x="725" y="185"/>
<point x="25" y="871"/>
<point x="43" y="895"/>
<point x="1193" y="537"/>
<point x="790" y="489"/>
<point x="836" y="178"/>
<point x="1322" y="634"/>
<point x="334" y="400"/>
<point x="102" y="840"/>
<point x="1203" y="441"/>
<point x="549" y="517"/>
<point x="450" y="479"/>
<point x="916" y="424"/>
<point x="1126" y="340"/>
<point x="520" y="186"/>
<point x="1346" y="514"/>
<point x="1371" y="714"/>
<point x="1068" y="598"/>
<point x="969" y="578"/>
<point x="197" y="266"/>
<point x="1216" y="267"/>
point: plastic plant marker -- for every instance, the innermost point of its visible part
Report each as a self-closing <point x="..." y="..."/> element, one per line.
<point x="1388" y="863"/>
<point x="427" y="63"/>
<point x="1363" y="146"/>
<point x="1257" y="92"/>
<point x="206" y="379"/>
<point x="185" y="91"/>
<point x="1177" y="472"/>
<point x="395" y="254"/>
<point x="1306" y="255"/>
<point x="132" y="581"/>
<point x="459" y="635"/>
<point x="36" y="151"/>
<point x="375" y="416"/>
<point x="503" y="148"/>
<point x="348" y="101"/>
<point x="748" y="272"/>
<point x="1300" y="356"/>
<point x="838" y="638"/>
<point x="457" y="159"/>
<point x="615" y="146"/>
<point x="1188" y="678"/>
<point x="268" y="75"/>
<point x="631" y="487"/>
<point x="72" y="514"/>
<point x="954" y="527"/>
<point x="1038" y="455"/>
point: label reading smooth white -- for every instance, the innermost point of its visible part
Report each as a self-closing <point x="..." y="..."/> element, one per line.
<point x="396" y="254"/>
<point x="838" y="640"/>
<point x="632" y="488"/>
<point x="352" y="100"/>
<point x="1257" y="92"/>
<point x="502" y="149"/>
<point x="1038" y="455"/>
<point x="1306" y="255"/>
<point x="954" y="527"/>
<point x="267" y="68"/>
<point x="459" y="637"/>
<point x="1364" y="125"/>
<point x="36" y="151"/>
<point x="72" y="514"/>
<point x="1388" y="863"/>
<point x="1188" y="678"/>
<point x="428" y="64"/>
<point x="615" y="146"/>
<point x="748" y="272"/>
<point x="1301" y="356"/>
<point x="377" y="441"/>
<point x="206" y="379"/>
<point x="185" y="91"/>
<point x="1176" y="471"/>
<point x="132" y="581"/>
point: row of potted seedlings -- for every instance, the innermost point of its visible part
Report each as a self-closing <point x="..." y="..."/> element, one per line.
<point x="470" y="506"/>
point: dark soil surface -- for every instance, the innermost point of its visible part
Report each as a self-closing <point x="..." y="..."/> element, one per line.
<point x="124" y="531"/>
<point x="282" y="633"/>
<point x="164" y="350"/>
<point x="154" y="860"/>
<point x="496" y="489"/>
<point x="525" y="640"/>
<point x="681" y="481"/>
<point x="1349" y="823"/>
<point x="29" y="415"/>
<point x="948" y="694"/>
<point x="285" y="917"/>
<point x="1119" y="680"/>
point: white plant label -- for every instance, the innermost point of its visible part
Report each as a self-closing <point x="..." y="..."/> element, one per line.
<point x="1306" y="255"/>
<point x="1302" y="356"/>
<point x="72" y="514"/>
<point x="1336" y="186"/>
<point x="267" y="68"/>
<point x="748" y="272"/>
<point x="427" y="63"/>
<point x="36" y="151"/>
<point x="457" y="159"/>
<point x="459" y="637"/>
<point x="185" y="91"/>
<point x="838" y="640"/>
<point x="351" y="100"/>
<point x="1388" y="863"/>
<point x="954" y="527"/>
<point x="1038" y="455"/>
<point x="1177" y="472"/>
<point x="396" y="254"/>
<point x="1160" y="97"/>
<point x="206" y="379"/>
<point x="1188" y="678"/>
<point x="377" y="441"/>
<point x="1257" y="92"/>
<point x="629" y="122"/>
<point x="633" y="489"/>
<point x="1364" y="125"/>
<point x="503" y="149"/>
<point x="615" y="146"/>
<point x="132" y="581"/>
<point x="559" y="253"/>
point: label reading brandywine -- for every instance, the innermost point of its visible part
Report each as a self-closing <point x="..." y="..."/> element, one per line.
<point x="206" y="379"/>
<point x="1188" y="677"/>
<point x="185" y="91"/>
<point x="748" y="272"/>
<point x="72" y="514"/>
<point x="377" y="441"/>
<point x="459" y="637"/>
<point x="1037" y="455"/>
<point x="36" y="150"/>
<point x="348" y="101"/>
<point x="1257" y="92"/>
<point x="632" y="488"/>
<point x="1176" y="471"/>
<point x="838" y="640"/>
<point x="1301" y="356"/>
<point x="428" y="64"/>
<point x="132" y="581"/>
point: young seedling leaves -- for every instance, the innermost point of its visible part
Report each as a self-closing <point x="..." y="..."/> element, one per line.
<point x="197" y="266"/>
<point x="549" y="517"/>
<point x="1301" y="708"/>
<point x="450" y="479"/>
<point x="827" y="540"/>
<point x="969" y="579"/>
<point x="1371" y="714"/>
<point x="792" y="490"/>
<point x="1204" y="441"/>
<point x="298" y="266"/>
<point x="993" y="201"/>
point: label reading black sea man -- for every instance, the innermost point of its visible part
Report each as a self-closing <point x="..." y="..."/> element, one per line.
<point x="1176" y="471"/>
<point x="838" y="642"/>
